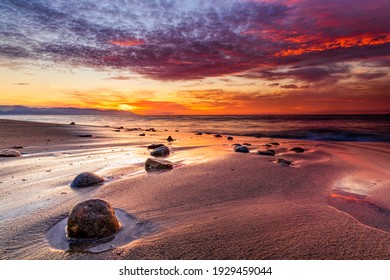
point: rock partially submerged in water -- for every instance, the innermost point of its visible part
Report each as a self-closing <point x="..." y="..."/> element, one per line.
<point x="142" y="134"/>
<point x="297" y="149"/>
<point x="218" y="135"/>
<point x="170" y="139"/>
<point x="266" y="153"/>
<point x="72" y="123"/>
<point x="241" y="149"/>
<point x="160" y="151"/>
<point x="157" y="164"/>
<point x="86" y="179"/>
<point x="154" y="146"/>
<point x="92" y="219"/>
<point x="10" y="153"/>
<point x="284" y="162"/>
<point x="230" y="138"/>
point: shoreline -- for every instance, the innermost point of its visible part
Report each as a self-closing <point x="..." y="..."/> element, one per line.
<point x="214" y="204"/>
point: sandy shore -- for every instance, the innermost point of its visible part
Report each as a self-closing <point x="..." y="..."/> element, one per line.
<point x="333" y="202"/>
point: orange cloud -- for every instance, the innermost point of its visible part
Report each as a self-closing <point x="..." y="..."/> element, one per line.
<point x="307" y="46"/>
<point x="128" y="43"/>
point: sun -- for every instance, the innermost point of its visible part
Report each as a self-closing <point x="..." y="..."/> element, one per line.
<point x="125" y="107"/>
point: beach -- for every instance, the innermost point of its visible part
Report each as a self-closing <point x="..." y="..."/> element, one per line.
<point x="332" y="202"/>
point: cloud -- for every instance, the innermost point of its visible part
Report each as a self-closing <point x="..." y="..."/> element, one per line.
<point x="119" y="78"/>
<point x="290" y="86"/>
<point x="184" y="40"/>
<point x="22" y="84"/>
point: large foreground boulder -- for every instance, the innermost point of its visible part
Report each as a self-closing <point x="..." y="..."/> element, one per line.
<point x="157" y="164"/>
<point x="160" y="151"/>
<point x="92" y="219"/>
<point x="86" y="179"/>
<point x="10" y="153"/>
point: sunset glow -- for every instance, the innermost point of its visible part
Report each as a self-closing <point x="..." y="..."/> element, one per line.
<point x="197" y="57"/>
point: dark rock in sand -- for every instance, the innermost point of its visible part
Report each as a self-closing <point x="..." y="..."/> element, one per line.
<point x="157" y="164"/>
<point x="267" y="145"/>
<point x="116" y="130"/>
<point x="297" y="149"/>
<point x="150" y="129"/>
<point x="284" y="162"/>
<point x="275" y="143"/>
<point x="142" y="134"/>
<point x="92" y="219"/>
<point x="121" y="127"/>
<point x="10" y="153"/>
<point x="72" y="123"/>
<point x="176" y="130"/>
<point x="241" y="149"/>
<point x="17" y="147"/>
<point x="154" y="146"/>
<point x="236" y="144"/>
<point x="86" y="179"/>
<point x="230" y="138"/>
<point x="84" y="135"/>
<point x="160" y="151"/>
<point x="218" y="135"/>
<point x="199" y="133"/>
<point x="266" y="153"/>
<point x="247" y="144"/>
<point x="170" y="139"/>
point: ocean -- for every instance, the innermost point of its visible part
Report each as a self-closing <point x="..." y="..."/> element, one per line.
<point x="356" y="128"/>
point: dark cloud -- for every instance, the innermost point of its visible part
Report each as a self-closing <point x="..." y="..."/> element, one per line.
<point x="119" y="78"/>
<point x="290" y="86"/>
<point x="22" y="84"/>
<point x="182" y="40"/>
<point x="372" y="75"/>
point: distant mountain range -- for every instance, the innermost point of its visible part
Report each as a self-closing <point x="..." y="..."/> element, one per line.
<point x="23" y="110"/>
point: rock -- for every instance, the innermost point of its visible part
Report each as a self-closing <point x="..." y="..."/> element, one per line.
<point x="241" y="149"/>
<point x="236" y="144"/>
<point x="199" y="133"/>
<point x="218" y="135"/>
<point x="275" y="143"/>
<point x="121" y="127"/>
<point x="150" y="129"/>
<point x="230" y="138"/>
<point x="142" y="134"/>
<point x="157" y="164"/>
<point x="257" y="136"/>
<point x="297" y="149"/>
<point x="154" y="146"/>
<point x="72" y="123"/>
<point x="170" y="139"/>
<point x="176" y="130"/>
<point x="10" y="153"/>
<point x="84" y="135"/>
<point x="86" y="179"/>
<point x="246" y="144"/>
<point x="92" y="219"/>
<point x="266" y="153"/>
<point x="267" y="145"/>
<point x="284" y="162"/>
<point x="116" y="130"/>
<point x="17" y="147"/>
<point x="160" y="151"/>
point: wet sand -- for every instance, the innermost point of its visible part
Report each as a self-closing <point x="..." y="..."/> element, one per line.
<point x="332" y="203"/>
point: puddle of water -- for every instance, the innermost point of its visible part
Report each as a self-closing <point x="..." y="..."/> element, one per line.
<point x="131" y="230"/>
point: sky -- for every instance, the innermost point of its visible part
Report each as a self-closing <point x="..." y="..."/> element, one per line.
<point x="197" y="56"/>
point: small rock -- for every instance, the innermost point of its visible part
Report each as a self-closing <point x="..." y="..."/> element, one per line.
<point x="121" y="127"/>
<point x="154" y="146"/>
<point x="236" y="144"/>
<point x="92" y="219"/>
<point x="116" y="130"/>
<point x="199" y="133"/>
<point x="257" y="136"/>
<point x="176" y="130"/>
<point x="218" y="135"/>
<point x="142" y="134"/>
<point x="284" y="162"/>
<point x="157" y="164"/>
<point x="170" y="139"/>
<point x="160" y="151"/>
<point x="267" y="145"/>
<point x="150" y="129"/>
<point x="297" y="149"/>
<point x="266" y="153"/>
<point x="86" y="179"/>
<point x="17" y="147"/>
<point x="230" y="138"/>
<point x="241" y="149"/>
<point x="10" y="153"/>
<point x="247" y="144"/>
<point x="72" y="123"/>
<point x="275" y="143"/>
<point x="84" y="135"/>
